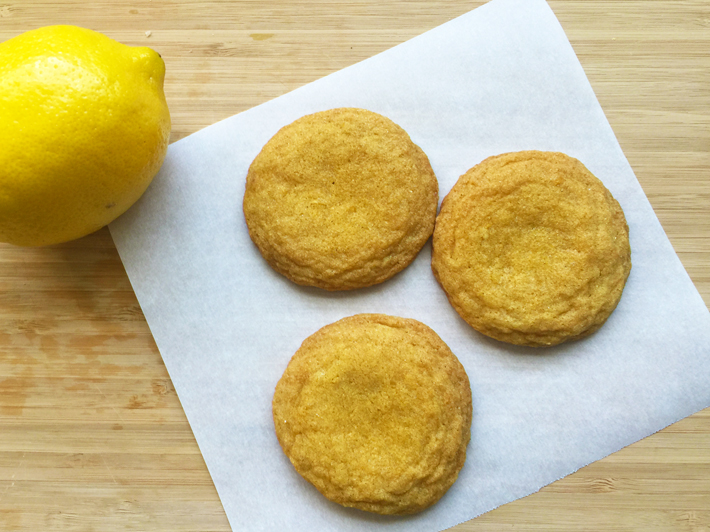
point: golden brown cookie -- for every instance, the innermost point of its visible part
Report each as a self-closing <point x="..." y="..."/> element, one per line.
<point x="531" y="248"/>
<point x="375" y="412"/>
<point x="340" y="199"/>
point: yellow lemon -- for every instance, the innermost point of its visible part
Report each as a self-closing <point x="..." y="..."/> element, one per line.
<point x="84" y="128"/>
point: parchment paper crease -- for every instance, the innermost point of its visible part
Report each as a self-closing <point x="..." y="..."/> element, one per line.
<point x="501" y="78"/>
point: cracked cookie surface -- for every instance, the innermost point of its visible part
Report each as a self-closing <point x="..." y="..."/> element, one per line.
<point x="531" y="248"/>
<point x="375" y="412"/>
<point x="340" y="199"/>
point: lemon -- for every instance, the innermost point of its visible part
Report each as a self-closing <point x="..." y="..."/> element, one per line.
<point x="84" y="128"/>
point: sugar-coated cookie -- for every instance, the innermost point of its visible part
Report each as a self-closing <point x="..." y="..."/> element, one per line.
<point x="375" y="412"/>
<point x="531" y="248"/>
<point x="340" y="199"/>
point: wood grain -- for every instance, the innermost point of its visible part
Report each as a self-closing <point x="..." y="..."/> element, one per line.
<point x="92" y="434"/>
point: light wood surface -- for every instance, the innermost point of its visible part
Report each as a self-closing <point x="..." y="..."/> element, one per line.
<point x="92" y="434"/>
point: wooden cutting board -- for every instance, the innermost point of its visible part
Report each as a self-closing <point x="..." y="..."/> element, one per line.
<point x="92" y="434"/>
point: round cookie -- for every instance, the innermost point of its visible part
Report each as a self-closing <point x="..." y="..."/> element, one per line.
<point x="340" y="199"/>
<point x="531" y="248"/>
<point x="375" y="412"/>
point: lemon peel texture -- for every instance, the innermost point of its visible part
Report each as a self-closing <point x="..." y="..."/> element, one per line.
<point x="85" y="128"/>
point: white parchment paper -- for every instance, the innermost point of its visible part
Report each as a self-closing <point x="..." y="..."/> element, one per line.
<point x="501" y="78"/>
